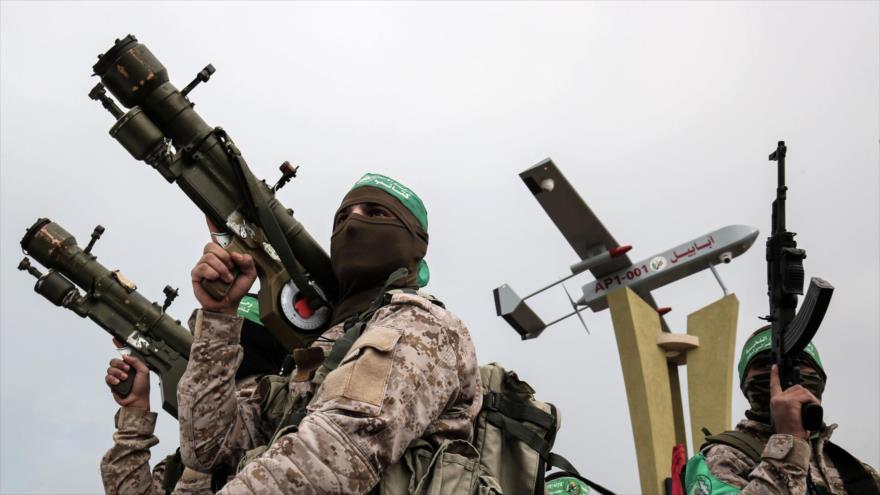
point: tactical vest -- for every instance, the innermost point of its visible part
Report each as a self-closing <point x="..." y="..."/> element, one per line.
<point x="856" y="479"/>
<point x="511" y="448"/>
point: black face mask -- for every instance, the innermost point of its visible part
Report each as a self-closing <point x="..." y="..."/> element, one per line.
<point x="364" y="251"/>
<point x="757" y="391"/>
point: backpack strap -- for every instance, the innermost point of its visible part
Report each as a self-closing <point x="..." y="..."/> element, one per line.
<point x="354" y="327"/>
<point x="495" y="401"/>
<point x="745" y="443"/>
<point x="855" y="477"/>
<point x="507" y="414"/>
<point x="504" y="415"/>
<point x="219" y="477"/>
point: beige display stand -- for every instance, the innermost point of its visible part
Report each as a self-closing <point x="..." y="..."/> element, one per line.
<point x="710" y="367"/>
<point x="650" y="359"/>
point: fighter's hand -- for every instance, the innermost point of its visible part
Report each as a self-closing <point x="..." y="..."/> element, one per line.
<point x="785" y="406"/>
<point x="215" y="264"/>
<point x="139" y="397"/>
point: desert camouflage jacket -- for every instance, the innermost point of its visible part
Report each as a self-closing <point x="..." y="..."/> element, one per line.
<point x="785" y="465"/>
<point x="125" y="468"/>
<point x="412" y="374"/>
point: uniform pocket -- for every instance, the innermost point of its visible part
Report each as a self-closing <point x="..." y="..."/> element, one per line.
<point x="363" y="373"/>
<point x="455" y="470"/>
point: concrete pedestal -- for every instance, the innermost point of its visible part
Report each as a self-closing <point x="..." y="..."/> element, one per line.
<point x="646" y="377"/>
<point x="710" y="367"/>
<point x="650" y="358"/>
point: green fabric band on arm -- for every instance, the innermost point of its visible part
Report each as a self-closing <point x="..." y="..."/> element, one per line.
<point x="249" y="308"/>
<point x="699" y="480"/>
<point x="566" y="486"/>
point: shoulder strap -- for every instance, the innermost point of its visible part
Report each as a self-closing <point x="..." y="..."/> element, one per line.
<point x="219" y="477"/>
<point x="354" y="327"/>
<point x="742" y="441"/>
<point x="173" y="472"/>
<point x="495" y="401"/>
<point x="855" y="477"/>
<point x="420" y="293"/>
<point x="507" y="416"/>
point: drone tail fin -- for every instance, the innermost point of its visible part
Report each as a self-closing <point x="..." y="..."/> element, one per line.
<point x="517" y="313"/>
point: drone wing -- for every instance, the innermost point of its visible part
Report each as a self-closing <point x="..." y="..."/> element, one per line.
<point x="577" y="222"/>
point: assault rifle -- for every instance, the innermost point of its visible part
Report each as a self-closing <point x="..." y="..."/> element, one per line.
<point x="297" y="285"/>
<point x="792" y="330"/>
<point x="111" y="300"/>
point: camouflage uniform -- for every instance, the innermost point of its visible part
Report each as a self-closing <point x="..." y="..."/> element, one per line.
<point x="125" y="468"/>
<point x="784" y="466"/>
<point x="412" y="374"/>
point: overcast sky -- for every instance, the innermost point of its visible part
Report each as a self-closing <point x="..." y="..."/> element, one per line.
<point x="660" y="114"/>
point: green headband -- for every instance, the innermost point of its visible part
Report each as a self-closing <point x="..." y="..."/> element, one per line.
<point x="400" y="192"/>
<point x="410" y="201"/>
<point x="763" y="341"/>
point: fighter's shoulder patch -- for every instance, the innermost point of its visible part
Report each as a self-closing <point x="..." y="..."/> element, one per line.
<point x="363" y="373"/>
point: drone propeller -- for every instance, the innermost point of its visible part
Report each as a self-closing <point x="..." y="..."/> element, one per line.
<point x="574" y="306"/>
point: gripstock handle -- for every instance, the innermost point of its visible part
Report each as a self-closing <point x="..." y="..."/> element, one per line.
<point x="123" y="388"/>
<point x="218" y="288"/>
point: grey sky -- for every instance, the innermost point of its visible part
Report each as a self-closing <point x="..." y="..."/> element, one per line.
<point x="660" y="114"/>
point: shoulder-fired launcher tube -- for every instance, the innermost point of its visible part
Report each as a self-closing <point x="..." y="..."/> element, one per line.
<point x="56" y="249"/>
<point x="137" y="78"/>
<point x="111" y="301"/>
<point x="211" y="171"/>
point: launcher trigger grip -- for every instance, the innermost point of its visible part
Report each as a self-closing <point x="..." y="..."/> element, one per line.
<point x="218" y="288"/>
<point x="123" y="388"/>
